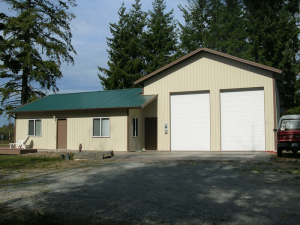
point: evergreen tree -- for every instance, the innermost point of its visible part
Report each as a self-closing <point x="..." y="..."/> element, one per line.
<point x="10" y="63"/>
<point x="214" y="24"/>
<point x="194" y="32"/>
<point x="5" y="130"/>
<point x="114" y="77"/>
<point x="273" y="30"/>
<point x="34" y="44"/>
<point x="127" y="53"/>
<point x="232" y="29"/>
<point x="2" y="16"/>
<point x="160" y="39"/>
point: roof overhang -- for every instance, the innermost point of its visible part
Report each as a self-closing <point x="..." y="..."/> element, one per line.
<point x="149" y="101"/>
<point x="72" y="110"/>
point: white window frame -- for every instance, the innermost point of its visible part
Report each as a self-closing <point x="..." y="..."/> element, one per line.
<point x="100" y="126"/>
<point x="34" y="128"/>
<point x="136" y="133"/>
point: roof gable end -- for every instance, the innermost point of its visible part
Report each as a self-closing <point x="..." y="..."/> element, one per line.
<point x="274" y="70"/>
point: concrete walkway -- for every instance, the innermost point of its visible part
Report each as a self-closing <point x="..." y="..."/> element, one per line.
<point x="191" y="156"/>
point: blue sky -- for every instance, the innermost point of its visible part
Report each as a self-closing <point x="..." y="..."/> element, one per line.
<point x="90" y="29"/>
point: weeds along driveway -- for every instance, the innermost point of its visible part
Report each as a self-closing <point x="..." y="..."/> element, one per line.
<point x="156" y="193"/>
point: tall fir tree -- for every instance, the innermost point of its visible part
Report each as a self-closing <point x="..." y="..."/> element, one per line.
<point x="7" y="59"/>
<point x="214" y="24"/>
<point x="114" y="77"/>
<point x="34" y="44"/>
<point x="273" y="30"/>
<point x="232" y="28"/>
<point x="194" y="33"/>
<point x="215" y="10"/>
<point x="160" y="40"/>
<point x="126" y="50"/>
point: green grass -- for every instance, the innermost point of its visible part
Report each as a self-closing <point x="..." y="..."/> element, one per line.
<point x="15" y="162"/>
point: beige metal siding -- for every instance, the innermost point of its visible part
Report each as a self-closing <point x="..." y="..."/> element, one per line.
<point x="138" y="143"/>
<point x="151" y="109"/>
<point x="79" y="130"/>
<point x="48" y="138"/>
<point x="208" y="72"/>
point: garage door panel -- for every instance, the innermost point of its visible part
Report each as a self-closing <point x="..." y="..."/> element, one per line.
<point x="190" y="122"/>
<point x="242" y="121"/>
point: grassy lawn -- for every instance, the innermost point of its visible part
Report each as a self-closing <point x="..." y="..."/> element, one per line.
<point x="19" y="162"/>
<point x="32" y="161"/>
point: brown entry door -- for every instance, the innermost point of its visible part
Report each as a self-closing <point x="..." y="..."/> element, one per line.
<point x="61" y="134"/>
<point x="151" y="133"/>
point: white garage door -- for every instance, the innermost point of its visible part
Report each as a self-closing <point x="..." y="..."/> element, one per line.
<point x="190" y="122"/>
<point x="242" y="121"/>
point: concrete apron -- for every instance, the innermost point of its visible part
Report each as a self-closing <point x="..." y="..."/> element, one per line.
<point x="192" y="156"/>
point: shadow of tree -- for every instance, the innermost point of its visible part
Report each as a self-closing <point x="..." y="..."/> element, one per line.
<point x="158" y="193"/>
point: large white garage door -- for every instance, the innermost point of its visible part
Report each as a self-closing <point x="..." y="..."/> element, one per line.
<point x="242" y="121"/>
<point x="190" y="122"/>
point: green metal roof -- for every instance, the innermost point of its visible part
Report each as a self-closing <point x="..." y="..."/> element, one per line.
<point x="122" y="98"/>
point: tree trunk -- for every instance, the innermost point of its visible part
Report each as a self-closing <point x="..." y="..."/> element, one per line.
<point x="25" y="90"/>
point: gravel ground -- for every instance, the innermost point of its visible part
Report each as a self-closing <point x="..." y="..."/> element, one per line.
<point x="159" y="193"/>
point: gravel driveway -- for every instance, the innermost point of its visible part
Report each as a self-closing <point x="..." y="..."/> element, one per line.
<point x="160" y="193"/>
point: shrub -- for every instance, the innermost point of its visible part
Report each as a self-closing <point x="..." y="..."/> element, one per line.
<point x="292" y="111"/>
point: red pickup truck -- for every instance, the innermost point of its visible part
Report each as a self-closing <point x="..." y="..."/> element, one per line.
<point x="288" y="134"/>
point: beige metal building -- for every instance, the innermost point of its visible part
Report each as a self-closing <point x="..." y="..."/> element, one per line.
<point x="204" y="101"/>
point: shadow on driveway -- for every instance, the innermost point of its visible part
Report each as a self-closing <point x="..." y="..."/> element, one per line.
<point x="157" y="193"/>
